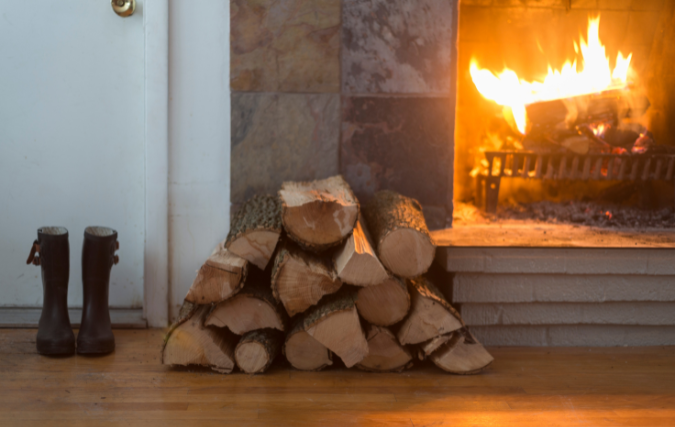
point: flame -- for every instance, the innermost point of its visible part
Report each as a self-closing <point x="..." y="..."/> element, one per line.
<point x="508" y="90"/>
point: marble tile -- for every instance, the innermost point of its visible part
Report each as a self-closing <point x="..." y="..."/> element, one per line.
<point x="398" y="46"/>
<point x="399" y="143"/>
<point x="285" y="46"/>
<point x="279" y="137"/>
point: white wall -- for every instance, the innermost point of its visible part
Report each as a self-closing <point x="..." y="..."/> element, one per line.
<point x="199" y="137"/>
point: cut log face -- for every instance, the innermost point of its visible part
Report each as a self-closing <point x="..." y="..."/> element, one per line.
<point x="257" y="350"/>
<point x="192" y="343"/>
<point x="400" y="234"/>
<point x="384" y="351"/>
<point x="255" y="230"/>
<point x="300" y="279"/>
<point x="304" y="352"/>
<point x="222" y="275"/>
<point x="462" y="355"/>
<point x="430" y="315"/>
<point x="356" y="262"/>
<point x="384" y="304"/>
<point x="318" y="214"/>
<point x="252" y="308"/>
<point x="335" y="324"/>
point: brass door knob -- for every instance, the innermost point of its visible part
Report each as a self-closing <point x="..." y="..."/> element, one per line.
<point x="123" y="8"/>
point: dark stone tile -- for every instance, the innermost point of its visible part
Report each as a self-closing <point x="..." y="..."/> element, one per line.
<point x="285" y="46"/>
<point x="398" y="46"/>
<point x="400" y="143"/>
<point x="281" y="137"/>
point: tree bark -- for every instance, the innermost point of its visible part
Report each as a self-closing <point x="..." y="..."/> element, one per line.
<point x="400" y="234"/>
<point x="462" y="354"/>
<point x="384" y="351"/>
<point x="222" y="275"/>
<point x="430" y="315"/>
<point x="191" y="343"/>
<point x="318" y="214"/>
<point x="356" y="262"/>
<point x="300" y="279"/>
<point x="384" y="304"/>
<point x="426" y="348"/>
<point x="255" y="230"/>
<point x="335" y="323"/>
<point x="252" y="308"/>
<point x="304" y="352"/>
<point x="257" y="350"/>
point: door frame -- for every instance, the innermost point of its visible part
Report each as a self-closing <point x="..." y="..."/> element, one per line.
<point x="156" y="246"/>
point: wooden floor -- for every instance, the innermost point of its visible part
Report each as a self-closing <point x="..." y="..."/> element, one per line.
<point x="524" y="387"/>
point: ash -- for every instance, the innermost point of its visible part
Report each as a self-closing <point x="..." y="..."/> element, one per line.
<point x="591" y="214"/>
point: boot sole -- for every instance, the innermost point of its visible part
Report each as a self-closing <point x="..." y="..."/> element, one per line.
<point x="56" y="350"/>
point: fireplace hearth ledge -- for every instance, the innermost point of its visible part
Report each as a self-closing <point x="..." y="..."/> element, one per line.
<point x="560" y="285"/>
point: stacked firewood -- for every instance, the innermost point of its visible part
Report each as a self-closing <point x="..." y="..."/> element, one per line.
<point x="309" y="275"/>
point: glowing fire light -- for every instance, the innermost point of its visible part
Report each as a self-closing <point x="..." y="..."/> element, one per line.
<point x="508" y="90"/>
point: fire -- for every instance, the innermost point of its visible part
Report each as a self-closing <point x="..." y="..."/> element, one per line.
<point x="596" y="75"/>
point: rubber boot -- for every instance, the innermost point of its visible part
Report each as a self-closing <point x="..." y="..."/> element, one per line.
<point x="98" y="257"/>
<point x="52" y="253"/>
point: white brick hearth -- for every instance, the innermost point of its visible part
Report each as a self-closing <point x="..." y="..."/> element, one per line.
<point x="564" y="296"/>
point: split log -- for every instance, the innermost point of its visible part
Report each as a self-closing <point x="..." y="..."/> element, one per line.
<point x="384" y="352"/>
<point x="318" y="214"/>
<point x="430" y="315"/>
<point x="462" y="354"/>
<point x="356" y="262"/>
<point x="222" y="275"/>
<point x="257" y="350"/>
<point x="400" y="234"/>
<point x="384" y="304"/>
<point x="300" y="279"/>
<point x="428" y="347"/>
<point x="304" y="352"/>
<point x="252" y="308"/>
<point x="255" y="230"/>
<point x="191" y="343"/>
<point x="335" y="323"/>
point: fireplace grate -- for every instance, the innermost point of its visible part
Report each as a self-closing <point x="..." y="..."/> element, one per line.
<point x="622" y="167"/>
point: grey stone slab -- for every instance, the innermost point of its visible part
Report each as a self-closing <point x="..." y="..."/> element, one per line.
<point x="575" y="335"/>
<point x="398" y="46"/>
<point x="608" y="313"/>
<point x="29" y="318"/>
<point x="557" y="260"/>
<point x="522" y="288"/>
<point x="282" y="137"/>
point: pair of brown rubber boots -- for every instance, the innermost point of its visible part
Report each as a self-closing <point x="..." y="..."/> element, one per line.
<point x="51" y="252"/>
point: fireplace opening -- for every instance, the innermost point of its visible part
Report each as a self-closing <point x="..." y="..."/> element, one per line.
<point x="564" y="116"/>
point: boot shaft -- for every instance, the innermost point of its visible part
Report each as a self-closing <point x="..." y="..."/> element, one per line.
<point x="54" y="261"/>
<point x="98" y="257"/>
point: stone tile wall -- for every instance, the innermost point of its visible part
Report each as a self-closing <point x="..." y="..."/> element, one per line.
<point x="365" y="88"/>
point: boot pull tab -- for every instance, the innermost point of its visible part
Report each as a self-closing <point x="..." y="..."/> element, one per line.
<point x="33" y="257"/>
<point x="116" y="258"/>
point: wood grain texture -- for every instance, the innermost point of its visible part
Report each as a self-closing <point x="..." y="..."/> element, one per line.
<point x="523" y="387"/>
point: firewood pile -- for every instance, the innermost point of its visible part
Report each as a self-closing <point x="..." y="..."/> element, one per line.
<point x="310" y="275"/>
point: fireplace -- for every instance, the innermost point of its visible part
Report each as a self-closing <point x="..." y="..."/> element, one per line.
<point x="382" y="92"/>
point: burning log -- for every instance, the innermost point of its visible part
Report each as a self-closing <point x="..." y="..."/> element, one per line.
<point x="384" y="304"/>
<point x="257" y="350"/>
<point x="430" y="316"/>
<point x="255" y="230"/>
<point x="356" y="262"/>
<point x="384" y="352"/>
<point x="222" y="275"/>
<point x="335" y="323"/>
<point x="300" y="279"/>
<point x="400" y="234"/>
<point x="189" y="342"/>
<point x="462" y="354"/>
<point x="251" y="309"/>
<point x="304" y="352"/>
<point x="318" y="214"/>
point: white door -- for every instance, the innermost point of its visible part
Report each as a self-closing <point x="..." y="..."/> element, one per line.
<point x="71" y="139"/>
